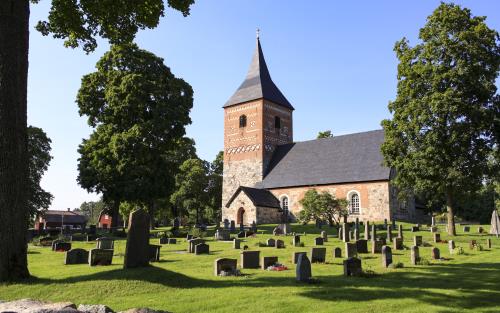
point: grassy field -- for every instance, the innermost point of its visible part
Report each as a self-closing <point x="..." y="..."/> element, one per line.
<point x="184" y="282"/>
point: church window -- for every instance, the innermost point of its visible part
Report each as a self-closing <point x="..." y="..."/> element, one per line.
<point x="277" y="122"/>
<point x="284" y="205"/>
<point x="354" y="203"/>
<point x="243" y="121"/>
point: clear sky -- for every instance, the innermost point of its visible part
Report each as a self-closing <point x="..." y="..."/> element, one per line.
<point x="333" y="60"/>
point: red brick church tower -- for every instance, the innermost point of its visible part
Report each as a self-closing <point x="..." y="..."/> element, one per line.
<point x="257" y="118"/>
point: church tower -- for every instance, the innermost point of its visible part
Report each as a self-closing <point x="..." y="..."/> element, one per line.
<point x="257" y="118"/>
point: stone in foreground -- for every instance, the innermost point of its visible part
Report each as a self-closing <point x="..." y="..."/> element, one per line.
<point x="303" y="270"/>
<point x="137" y="252"/>
<point x="352" y="267"/>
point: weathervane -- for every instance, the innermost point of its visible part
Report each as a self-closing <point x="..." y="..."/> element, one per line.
<point x="258" y="32"/>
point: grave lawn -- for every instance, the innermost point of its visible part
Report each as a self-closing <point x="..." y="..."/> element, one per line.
<point x="184" y="282"/>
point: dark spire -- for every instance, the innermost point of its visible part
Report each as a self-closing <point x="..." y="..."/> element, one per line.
<point x="258" y="83"/>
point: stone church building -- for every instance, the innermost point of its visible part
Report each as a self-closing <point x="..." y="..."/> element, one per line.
<point x="266" y="173"/>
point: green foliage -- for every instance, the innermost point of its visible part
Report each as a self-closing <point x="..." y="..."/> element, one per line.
<point x="325" y="134"/>
<point x="215" y="188"/>
<point x="458" y="251"/>
<point x="79" y="22"/>
<point x="39" y="159"/>
<point x="446" y="114"/>
<point x="322" y="206"/>
<point x="196" y="232"/>
<point x="396" y="265"/>
<point x="91" y="210"/>
<point x="139" y="110"/>
<point x="126" y="208"/>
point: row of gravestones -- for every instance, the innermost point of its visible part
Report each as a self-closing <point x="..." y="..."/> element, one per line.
<point x="231" y="226"/>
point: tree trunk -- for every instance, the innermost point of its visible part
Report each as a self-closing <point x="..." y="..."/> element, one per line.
<point x="14" y="216"/>
<point x="115" y="215"/>
<point x="451" y="217"/>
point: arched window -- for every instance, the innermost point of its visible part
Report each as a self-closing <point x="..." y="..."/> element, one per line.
<point x="243" y="121"/>
<point x="277" y="122"/>
<point x="284" y="206"/>
<point x="354" y="203"/>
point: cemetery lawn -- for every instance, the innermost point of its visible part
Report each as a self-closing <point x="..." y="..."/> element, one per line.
<point x="184" y="282"/>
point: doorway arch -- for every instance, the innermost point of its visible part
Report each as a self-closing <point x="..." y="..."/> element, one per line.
<point x="240" y="217"/>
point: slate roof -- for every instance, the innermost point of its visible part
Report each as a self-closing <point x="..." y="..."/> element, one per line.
<point x="259" y="197"/>
<point x="258" y="84"/>
<point x="69" y="217"/>
<point x="340" y="159"/>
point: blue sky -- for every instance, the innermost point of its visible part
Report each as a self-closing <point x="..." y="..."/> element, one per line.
<point x="333" y="60"/>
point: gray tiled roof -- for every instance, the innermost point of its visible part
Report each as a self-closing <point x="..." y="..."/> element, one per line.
<point x="67" y="217"/>
<point x="258" y="84"/>
<point x="340" y="159"/>
<point x="259" y="197"/>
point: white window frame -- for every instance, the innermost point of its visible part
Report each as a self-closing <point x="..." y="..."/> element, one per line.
<point x="349" y="197"/>
<point x="282" y="197"/>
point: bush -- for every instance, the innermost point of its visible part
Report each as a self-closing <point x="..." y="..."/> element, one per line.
<point x="396" y="265"/>
<point x="196" y="232"/>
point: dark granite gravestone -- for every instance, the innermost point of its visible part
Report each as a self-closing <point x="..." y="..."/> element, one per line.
<point x="90" y="238"/>
<point x="296" y="240"/>
<point x="295" y="256"/>
<point x="236" y="243"/>
<point x="253" y="227"/>
<point x="154" y="253"/>
<point x="271" y="242"/>
<point x="76" y="256"/>
<point x="172" y="241"/>
<point x="415" y="229"/>
<point x="92" y="230"/>
<point x="249" y="259"/>
<point x="480" y="229"/>
<point x="345" y="232"/>
<point x="356" y="225"/>
<point x="414" y="255"/>
<point x="337" y="253"/>
<point x="163" y="240"/>
<point x="232" y="227"/>
<point x="226" y="227"/>
<point x="193" y="242"/>
<point x="397" y="243"/>
<point x="389" y="233"/>
<point x="433" y="229"/>
<point x="373" y="234"/>
<point x="62" y="246"/>
<point x="367" y="230"/>
<point x="340" y="233"/>
<point x="356" y="234"/>
<point x="362" y="246"/>
<point x="324" y="235"/>
<point x="224" y="264"/>
<point x="277" y="231"/>
<point x="77" y="238"/>
<point x="280" y="244"/>
<point x="318" y="241"/>
<point x="303" y="270"/>
<point x="241" y="234"/>
<point x="268" y="261"/>
<point x="55" y="242"/>
<point x="400" y="231"/>
<point x="100" y="257"/>
<point x="286" y="228"/>
<point x="352" y="267"/>
<point x="435" y="254"/>
<point x="488" y="243"/>
<point x="201" y="248"/>
<point x="437" y="237"/>
<point x="222" y="234"/>
<point x="242" y="227"/>
<point x="351" y="250"/>
<point x="386" y="256"/>
<point x="105" y="243"/>
<point x="318" y="255"/>
<point x="189" y="237"/>
<point x="385" y="223"/>
<point x="466" y="229"/>
<point x="417" y="241"/>
<point x="137" y="252"/>
<point x="377" y="246"/>
<point x="451" y="246"/>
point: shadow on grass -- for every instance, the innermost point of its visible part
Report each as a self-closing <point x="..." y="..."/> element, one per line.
<point x="478" y="284"/>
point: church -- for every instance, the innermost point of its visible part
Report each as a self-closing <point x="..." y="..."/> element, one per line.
<point x="266" y="173"/>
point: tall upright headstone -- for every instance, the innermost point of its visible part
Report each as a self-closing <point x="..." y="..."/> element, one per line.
<point x="495" y="224"/>
<point x="415" y="255"/>
<point x="389" y="233"/>
<point x="400" y="231"/>
<point x="433" y="221"/>
<point x="374" y="232"/>
<point x="345" y="232"/>
<point x="451" y="246"/>
<point x="137" y="247"/>
<point x="367" y="230"/>
<point x="303" y="269"/>
<point x="232" y="228"/>
<point x="386" y="256"/>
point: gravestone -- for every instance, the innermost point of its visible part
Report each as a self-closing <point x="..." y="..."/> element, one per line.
<point x="226" y="224"/>
<point x="318" y="241"/>
<point x="176" y="223"/>
<point x="189" y="237"/>
<point x="417" y="241"/>
<point x="480" y="229"/>
<point x="296" y="240"/>
<point x="415" y="229"/>
<point x="466" y="229"/>
<point x="62" y="246"/>
<point x="100" y="257"/>
<point x="268" y="261"/>
<point x="488" y="243"/>
<point x="286" y="229"/>
<point x="472" y="244"/>
<point x="172" y="241"/>
<point x="345" y="232"/>
<point x="295" y="256"/>
<point x="303" y="270"/>
<point x="356" y="225"/>
<point x="397" y="243"/>
<point x="356" y="234"/>
<point x="249" y="259"/>
<point x="254" y="227"/>
<point x="280" y="244"/>
<point x="495" y="224"/>
<point x="193" y="242"/>
<point x="400" y="231"/>
<point x="451" y="246"/>
<point x="271" y="242"/>
<point x="236" y="243"/>
<point x="352" y="267"/>
<point x="435" y="254"/>
<point x="201" y="248"/>
<point x="389" y="233"/>
<point x="337" y="252"/>
<point x="105" y="243"/>
<point x="377" y="246"/>
<point x="367" y="231"/>
<point x="137" y="252"/>
<point x="414" y="255"/>
<point x="242" y="227"/>
<point x="362" y="246"/>
<point x="340" y="233"/>
<point x="76" y="256"/>
<point x="351" y="250"/>
<point x="436" y="237"/>
<point x="385" y="223"/>
<point x="324" y="235"/>
<point x="154" y="253"/>
<point x="433" y="221"/>
<point x="241" y="234"/>
<point x="76" y="238"/>
<point x="373" y="234"/>
<point x="224" y="264"/>
<point x="351" y="235"/>
<point x="232" y="227"/>
<point x="91" y="238"/>
<point x="163" y="240"/>
<point x="433" y="229"/>
<point x="386" y="256"/>
<point x="54" y="243"/>
<point x="276" y="231"/>
<point x="318" y="255"/>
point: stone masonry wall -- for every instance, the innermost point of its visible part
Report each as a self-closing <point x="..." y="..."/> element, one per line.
<point x="268" y="215"/>
<point x="241" y="201"/>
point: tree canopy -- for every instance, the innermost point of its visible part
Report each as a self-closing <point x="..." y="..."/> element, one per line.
<point x="446" y="114"/>
<point x="322" y="206"/>
<point x="325" y="134"/>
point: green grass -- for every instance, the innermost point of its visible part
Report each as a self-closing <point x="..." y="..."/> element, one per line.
<point x="184" y="282"/>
